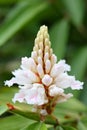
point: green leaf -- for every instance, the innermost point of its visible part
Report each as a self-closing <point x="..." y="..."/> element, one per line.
<point x="81" y="126"/>
<point x="7" y="2"/>
<point x="63" y="128"/>
<point x="59" y="36"/>
<point x="5" y="97"/>
<point x="84" y="120"/>
<point x="68" y="128"/>
<point x="73" y="105"/>
<point x="75" y="9"/>
<point x="37" y="126"/>
<point x="79" y="63"/>
<point x="14" y="122"/>
<point x="23" y="16"/>
<point x="83" y="94"/>
<point x="59" y="128"/>
<point x="3" y="109"/>
<point x="51" y="128"/>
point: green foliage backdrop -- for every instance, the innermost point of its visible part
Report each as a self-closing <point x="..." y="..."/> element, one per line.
<point x="19" y="23"/>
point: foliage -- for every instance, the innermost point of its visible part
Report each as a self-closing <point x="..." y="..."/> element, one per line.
<point x="19" y="22"/>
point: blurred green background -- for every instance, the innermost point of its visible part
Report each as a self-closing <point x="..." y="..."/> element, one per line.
<point x="67" y="22"/>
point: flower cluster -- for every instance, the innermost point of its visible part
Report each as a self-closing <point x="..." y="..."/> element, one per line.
<point x="41" y="79"/>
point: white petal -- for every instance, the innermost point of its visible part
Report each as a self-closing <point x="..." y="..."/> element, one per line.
<point x="36" y="95"/>
<point x="54" y="70"/>
<point x="40" y="60"/>
<point x="75" y="84"/>
<point x="34" y="55"/>
<point x="40" y="70"/>
<point x="64" y="67"/>
<point x="46" y="56"/>
<point x="59" y="68"/>
<point x="22" y="77"/>
<point x="28" y="63"/>
<point x="19" y="96"/>
<point x="9" y="82"/>
<point x="53" y="59"/>
<point x="16" y="80"/>
<point x="54" y="90"/>
<point x="47" y="80"/>
<point x="64" y="97"/>
<point x="47" y="66"/>
<point x="64" y="80"/>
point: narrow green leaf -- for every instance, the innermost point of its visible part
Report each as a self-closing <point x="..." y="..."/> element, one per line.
<point x="75" y="9"/>
<point x="79" y="63"/>
<point x="37" y="126"/>
<point x="59" y="36"/>
<point x="19" y="8"/>
<point x="17" y="22"/>
<point x="81" y="126"/>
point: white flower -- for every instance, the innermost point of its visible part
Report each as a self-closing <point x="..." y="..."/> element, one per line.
<point x="41" y="79"/>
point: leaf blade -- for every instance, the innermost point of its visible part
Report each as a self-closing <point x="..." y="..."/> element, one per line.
<point x="59" y="37"/>
<point x="75" y="9"/>
<point x="37" y="126"/>
<point x="17" y="22"/>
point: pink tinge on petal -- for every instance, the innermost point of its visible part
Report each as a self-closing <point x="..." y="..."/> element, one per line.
<point x="76" y="85"/>
<point x="36" y="95"/>
<point x="33" y="97"/>
<point x="19" y="97"/>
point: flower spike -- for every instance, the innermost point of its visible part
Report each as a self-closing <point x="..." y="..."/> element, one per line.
<point x="41" y="79"/>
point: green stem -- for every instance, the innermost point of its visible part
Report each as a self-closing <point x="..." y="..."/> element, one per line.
<point x="49" y="119"/>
